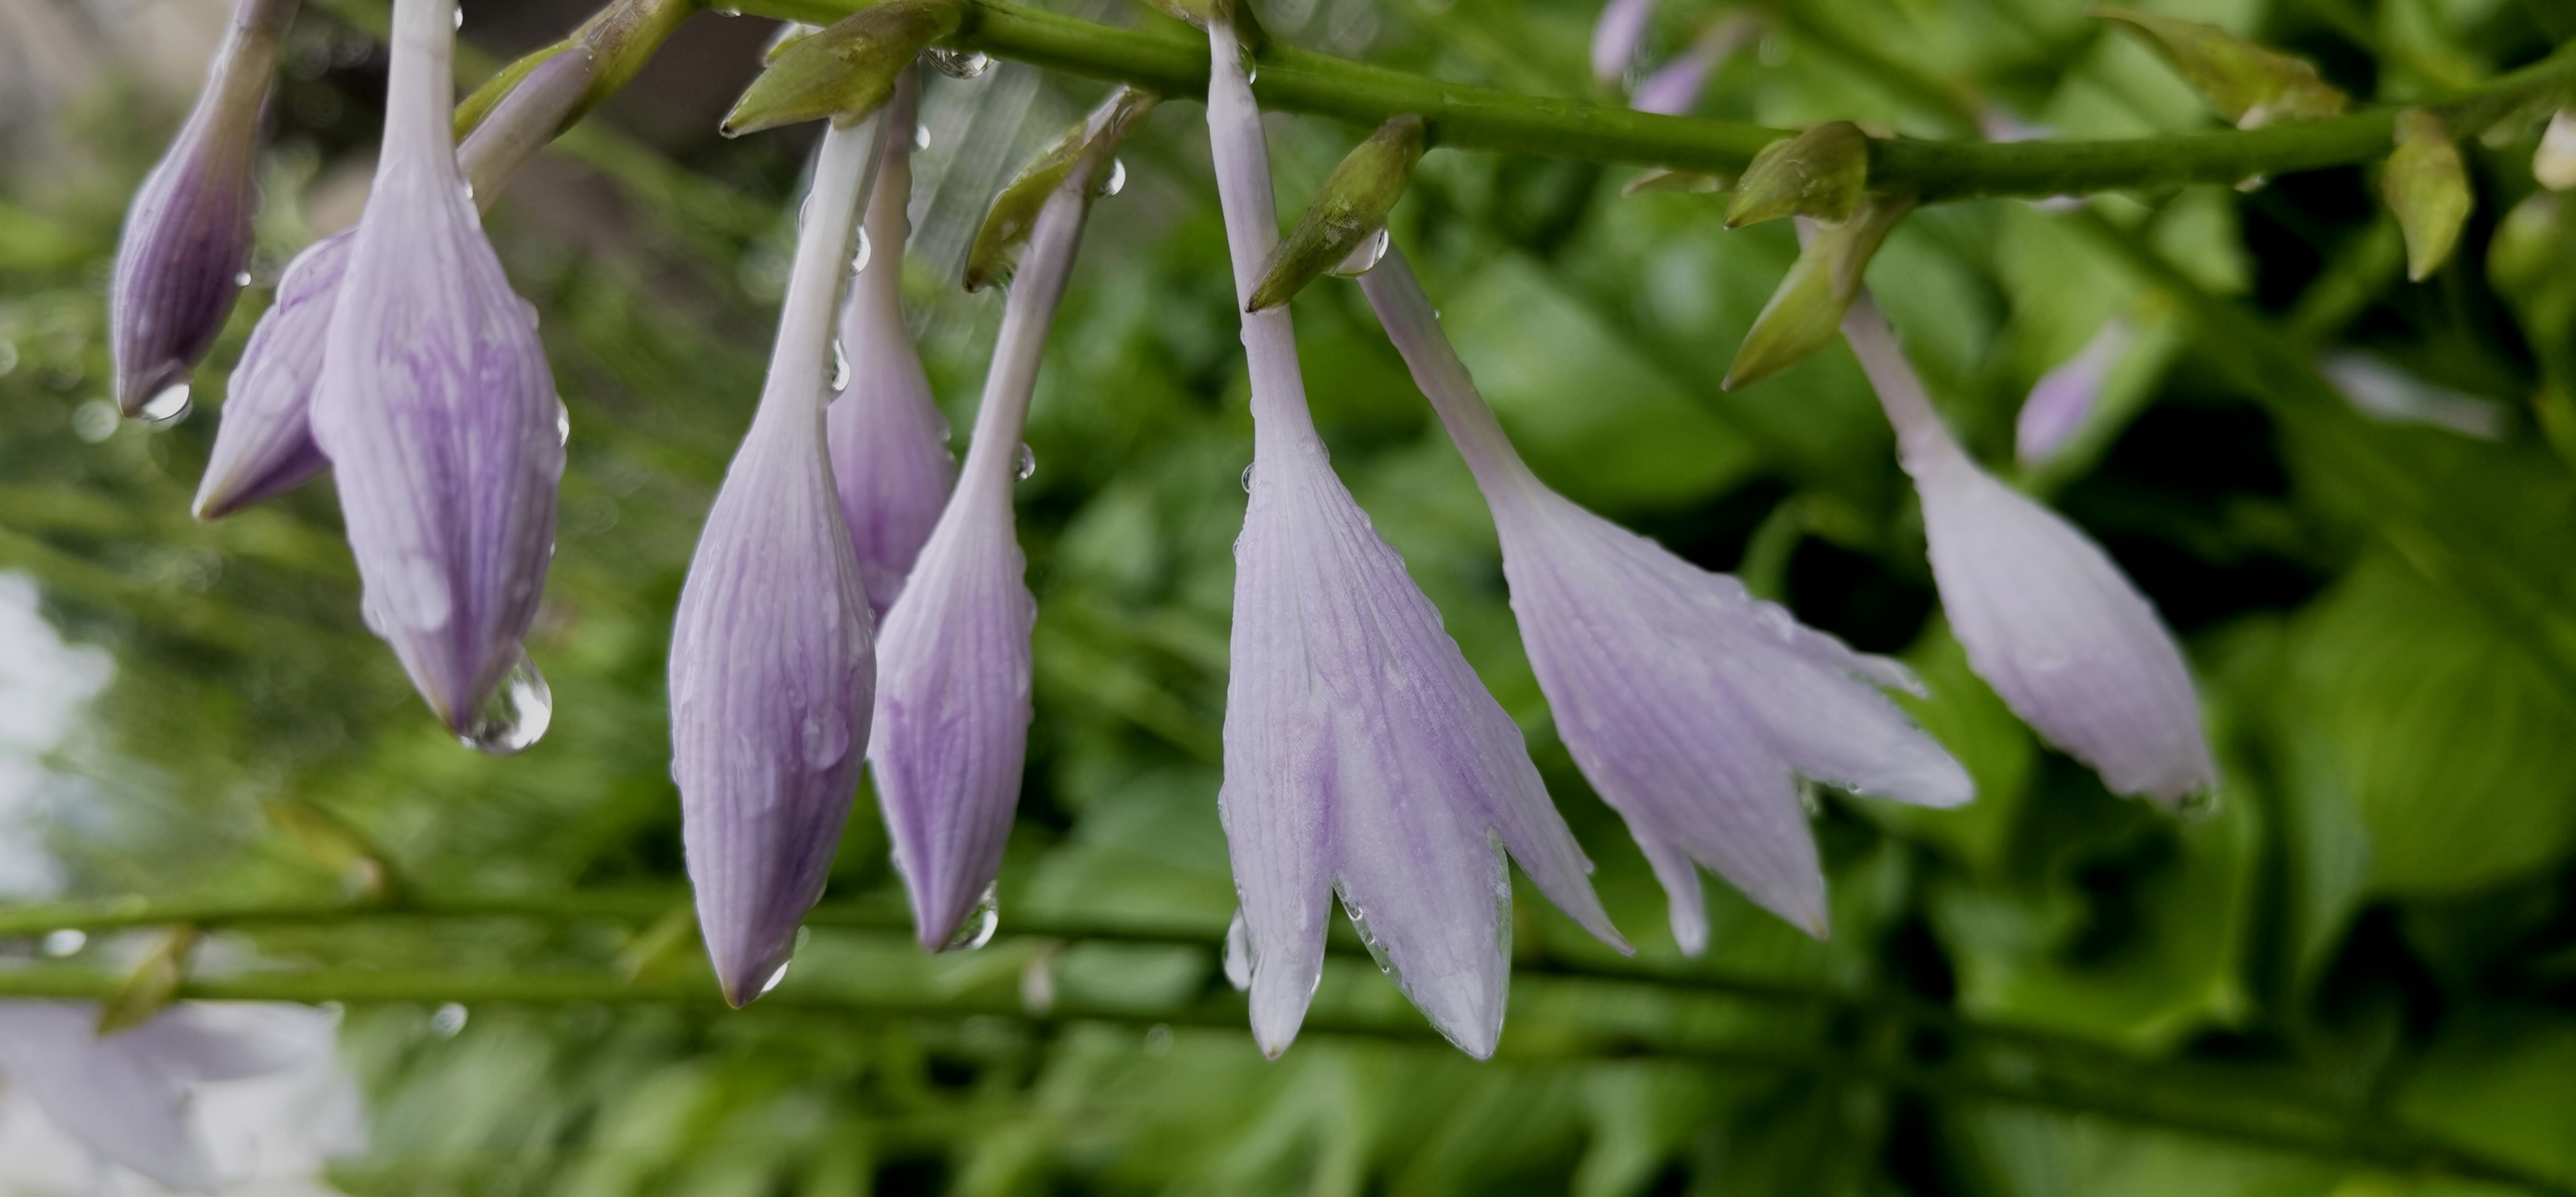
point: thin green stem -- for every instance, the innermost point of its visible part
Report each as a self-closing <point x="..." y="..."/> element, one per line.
<point x="1469" y="117"/>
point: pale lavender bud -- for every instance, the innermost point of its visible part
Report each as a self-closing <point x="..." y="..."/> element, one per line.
<point x="2046" y="618"/>
<point x="264" y="442"/>
<point x="2392" y="396"/>
<point x="1692" y="706"/>
<point x="1674" y="89"/>
<point x="1615" y="35"/>
<point x="436" y="406"/>
<point x="1362" y="755"/>
<point x="2064" y="398"/>
<point x="773" y="660"/>
<point x="889" y="443"/>
<point x="188" y="233"/>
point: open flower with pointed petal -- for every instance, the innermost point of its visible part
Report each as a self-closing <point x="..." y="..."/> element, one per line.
<point x="437" y="407"/>
<point x="1692" y="706"/>
<point x="773" y="657"/>
<point x="2046" y="618"/>
<point x="952" y="717"/>
<point x="889" y="443"/>
<point x="1362" y="755"/>
<point x="187" y="236"/>
<point x="2064" y="398"/>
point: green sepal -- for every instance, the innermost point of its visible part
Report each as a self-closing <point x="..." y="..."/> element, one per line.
<point x="1806" y="313"/>
<point x="845" y="72"/>
<point x="1088" y="145"/>
<point x="1819" y="173"/>
<point x="2426" y="185"/>
<point x="151" y="987"/>
<point x="1351" y="208"/>
<point x="470" y="113"/>
<point x="2248" y="84"/>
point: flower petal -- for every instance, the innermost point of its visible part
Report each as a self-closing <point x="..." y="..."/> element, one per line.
<point x="264" y="442"/>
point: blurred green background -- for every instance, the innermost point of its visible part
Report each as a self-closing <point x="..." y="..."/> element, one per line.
<point x="2356" y="978"/>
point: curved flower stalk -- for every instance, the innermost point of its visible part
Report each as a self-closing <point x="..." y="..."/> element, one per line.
<point x="2063" y="399"/>
<point x="773" y="658"/>
<point x="187" y="237"/>
<point x="1362" y="755"/>
<point x="889" y="443"/>
<point x="2046" y="618"/>
<point x="952" y="717"/>
<point x="437" y="406"/>
<point x="1689" y="703"/>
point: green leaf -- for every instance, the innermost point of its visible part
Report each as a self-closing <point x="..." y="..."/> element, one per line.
<point x="2248" y="84"/>
<point x="2425" y="184"/>
<point x="2502" y="1082"/>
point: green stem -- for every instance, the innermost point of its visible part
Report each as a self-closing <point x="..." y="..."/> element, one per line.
<point x="1481" y="118"/>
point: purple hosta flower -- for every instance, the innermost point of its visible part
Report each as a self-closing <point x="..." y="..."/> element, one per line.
<point x="889" y="443"/>
<point x="187" y="236"/>
<point x="2046" y="618"/>
<point x="2064" y="398"/>
<point x="2392" y="396"/>
<point x="1362" y="755"/>
<point x="773" y="659"/>
<point x="1691" y="705"/>
<point x="1674" y="88"/>
<point x="436" y="406"/>
<point x="1615" y="36"/>
<point x="264" y="444"/>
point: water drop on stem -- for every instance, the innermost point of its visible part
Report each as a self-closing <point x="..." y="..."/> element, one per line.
<point x="1028" y="462"/>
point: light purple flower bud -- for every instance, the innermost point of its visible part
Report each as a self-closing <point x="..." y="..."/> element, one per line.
<point x="1675" y="87"/>
<point x="889" y="443"/>
<point x="2046" y="618"/>
<point x="2063" y="399"/>
<point x="436" y="405"/>
<point x="773" y="659"/>
<point x="2392" y="396"/>
<point x="188" y="234"/>
<point x="264" y="443"/>
<point x="1615" y="35"/>
<point x="1692" y="706"/>
<point x="1362" y="755"/>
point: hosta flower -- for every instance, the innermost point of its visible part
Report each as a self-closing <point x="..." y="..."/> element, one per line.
<point x="889" y="443"/>
<point x="952" y="717"/>
<point x="1615" y="35"/>
<point x="1674" y="88"/>
<point x="2064" y="398"/>
<point x="773" y="661"/>
<point x="1692" y="706"/>
<point x="436" y="406"/>
<point x="1362" y="755"/>
<point x="187" y="236"/>
<point x="2046" y="618"/>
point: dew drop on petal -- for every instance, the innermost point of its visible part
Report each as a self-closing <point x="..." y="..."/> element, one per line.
<point x="516" y="714"/>
<point x="1028" y="462"/>
<point x="921" y="137"/>
<point x="840" y="367"/>
<point x="242" y="279"/>
<point x="1117" y="180"/>
<point x="780" y="974"/>
<point x="959" y="64"/>
<point x="168" y="407"/>
<point x="1364" y="257"/>
<point x="977" y="929"/>
<point x="1247" y="476"/>
<point x="859" y="256"/>
<point x="563" y="423"/>
<point x="1238" y="954"/>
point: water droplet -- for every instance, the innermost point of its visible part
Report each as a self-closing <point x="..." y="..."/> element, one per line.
<point x="977" y="929"/>
<point x="94" y="421"/>
<point x="1158" y="1039"/>
<point x="921" y="137"/>
<point x="2198" y="805"/>
<point x="563" y="423"/>
<point x="459" y="18"/>
<point x="826" y="737"/>
<point x="1247" y="476"/>
<point x="516" y="714"/>
<point x="1238" y="954"/>
<point x="64" y="942"/>
<point x="859" y="256"/>
<point x="447" y="1021"/>
<point x="840" y="367"/>
<point x="780" y="974"/>
<point x="1117" y="180"/>
<point x="528" y="308"/>
<point x="168" y="407"/>
<point x="958" y="64"/>
<point x="1028" y="462"/>
<point x="1809" y="800"/>
<point x="1364" y="257"/>
<point x="242" y="279"/>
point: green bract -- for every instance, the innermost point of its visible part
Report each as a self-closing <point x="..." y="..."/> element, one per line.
<point x="1806" y="313"/>
<point x="846" y="71"/>
<point x="1015" y="210"/>
<point x="1351" y="209"/>
<point x="1818" y="173"/>
<point x="2427" y="187"/>
<point x="2248" y="84"/>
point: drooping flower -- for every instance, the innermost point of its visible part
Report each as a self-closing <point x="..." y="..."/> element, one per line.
<point x="953" y="711"/>
<point x="2063" y="399"/>
<point x="1692" y="706"/>
<point x="889" y="443"/>
<point x="2046" y="618"/>
<point x="436" y="405"/>
<point x="1362" y="755"/>
<point x="187" y="236"/>
<point x="773" y="656"/>
<point x="1674" y="88"/>
<point x="1615" y="36"/>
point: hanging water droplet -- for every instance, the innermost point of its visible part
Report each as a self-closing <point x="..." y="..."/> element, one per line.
<point x="859" y="256"/>
<point x="1238" y="954"/>
<point x="168" y="407"/>
<point x="1247" y="476"/>
<point x="563" y="423"/>
<point x="459" y="15"/>
<point x="977" y="929"/>
<point x="1364" y="257"/>
<point x="528" y="308"/>
<point x="1117" y="180"/>
<point x="242" y="279"/>
<point x="780" y="974"/>
<point x="1028" y="462"/>
<point x="840" y="367"/>
<point x="64" y="942"/>
<point x="958" y="64"/>
<point x="921" y="137"/>
<point x="516" y="713"/>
